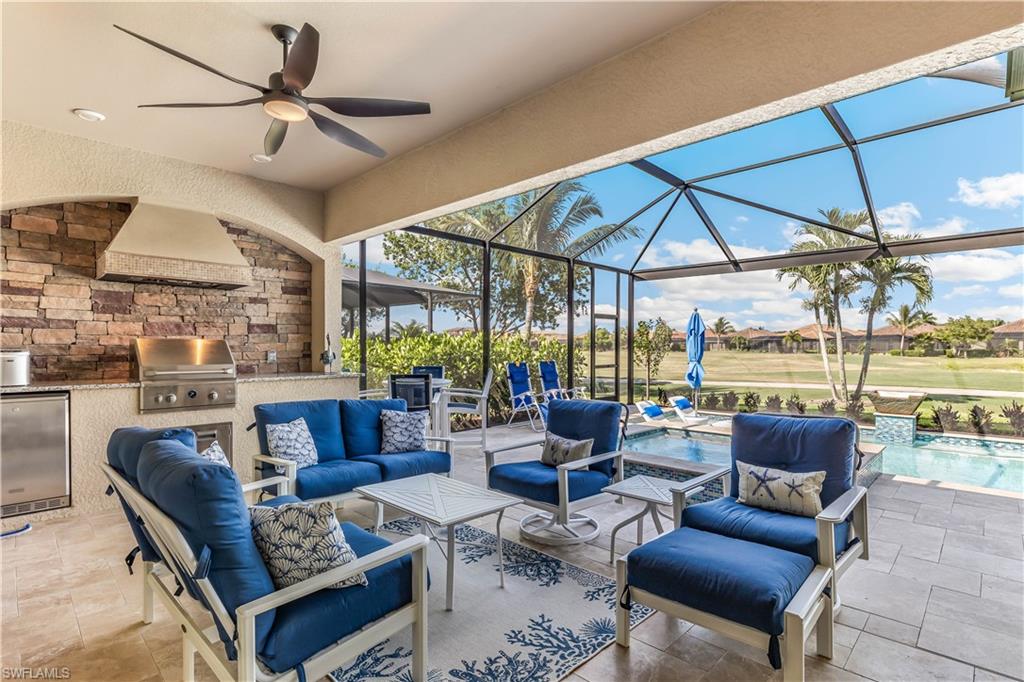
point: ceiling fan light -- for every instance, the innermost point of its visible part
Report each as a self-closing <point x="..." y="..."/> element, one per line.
<point x="286" y="109"/>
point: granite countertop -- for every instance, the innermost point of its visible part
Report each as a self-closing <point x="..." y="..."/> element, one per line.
<point x="92" y="384"/>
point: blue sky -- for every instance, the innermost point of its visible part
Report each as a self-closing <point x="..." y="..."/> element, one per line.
<point x="952" y="179"/>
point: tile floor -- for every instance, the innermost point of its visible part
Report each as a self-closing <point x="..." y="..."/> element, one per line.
<point x="941" y="598"/>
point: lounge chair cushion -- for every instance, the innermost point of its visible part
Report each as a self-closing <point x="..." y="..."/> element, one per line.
<point x="322" y="418"/>
<point x="361" y="429"/>
<point x="334" y="478"/>
<point x="653" y="411"/>
<point x="725" y="516"/>
<point x="583" y="419"/>
<point x="740" y="581"/>
<point x="538" y="481"/>
<point x="307" y="625"/>
<point x="797" y="444"/>
<point x="205" y="501"/>
<point x="405" y="464"/>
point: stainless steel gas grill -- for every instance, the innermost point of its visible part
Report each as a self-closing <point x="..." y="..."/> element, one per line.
<point x="184" y="374"/>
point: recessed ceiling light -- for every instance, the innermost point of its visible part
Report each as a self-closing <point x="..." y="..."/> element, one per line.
<point x="261" y="158"/>
<point x="89" y="115"/>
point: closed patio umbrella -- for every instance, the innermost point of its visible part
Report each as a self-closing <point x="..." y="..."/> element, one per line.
<point x="695" y="329"/>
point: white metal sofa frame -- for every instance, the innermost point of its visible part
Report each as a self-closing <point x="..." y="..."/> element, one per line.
<point x="565" y="514"/>
<point x="206" y="642"/>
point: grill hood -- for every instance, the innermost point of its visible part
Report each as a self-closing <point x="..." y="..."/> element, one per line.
<point x="168" y="245"/>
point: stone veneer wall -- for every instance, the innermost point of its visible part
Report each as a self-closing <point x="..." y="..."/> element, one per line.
<point x="78" y="327"/>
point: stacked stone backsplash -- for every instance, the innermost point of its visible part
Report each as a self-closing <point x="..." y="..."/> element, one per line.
<point x="80" y="328"/>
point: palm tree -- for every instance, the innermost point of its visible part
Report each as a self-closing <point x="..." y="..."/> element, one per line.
<point x="794" y="339"/>
<point x="408" y="330"/>
<point x="906" y="318"/>
<point x="550" y="227"/>
<point x="808" y="277"/>
<point x="720" y="328"/>
<point x="884" y="276"/>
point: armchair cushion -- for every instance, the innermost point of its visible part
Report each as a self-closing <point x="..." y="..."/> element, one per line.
<point x="726" y="516"/>
<point x="740" y="581"/>
<point x="360" y="420"/>
<point x="322" y="418"/>
<point x="334" y="478"/>
<point x="309" y="624"/>
<point x="405" y="464"/>
<point x="538" y="481"/>
<point x="583" y="419"/>
<point x="797" y="444"/>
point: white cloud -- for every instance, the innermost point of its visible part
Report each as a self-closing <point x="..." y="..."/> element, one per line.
<point x="742" y="219"/>
<point x="901" y="220"/>
<point x="617" y="257"/>
<point x="998" y="312"/>
<point x="990" y="265"/>
<point x="375" y="252"/>
<point x="970" y="290"/>
<point x="1013" y="291"/>
<point x="1000" y="191"/>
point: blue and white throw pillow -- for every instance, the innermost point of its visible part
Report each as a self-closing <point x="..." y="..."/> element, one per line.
<point x="300" y="540"/>
<point x="215" y="453"/>
<point x="780" y="490"/>
<point x="403" y="431"/>
<point x="293" y="441"/>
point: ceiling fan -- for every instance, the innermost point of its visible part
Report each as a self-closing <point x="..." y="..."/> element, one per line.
<point x="283" y="100"/>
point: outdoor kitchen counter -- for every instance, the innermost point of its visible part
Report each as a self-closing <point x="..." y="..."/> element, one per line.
<point x="98" y="408"/>
<point x="93" y="384"/>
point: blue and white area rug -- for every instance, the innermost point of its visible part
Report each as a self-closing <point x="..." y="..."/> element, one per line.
<point x="550" y="618"/>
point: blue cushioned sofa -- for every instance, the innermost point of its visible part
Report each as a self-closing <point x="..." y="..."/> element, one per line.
<point x="347" y="434"/>
<point x="193" y="516"/>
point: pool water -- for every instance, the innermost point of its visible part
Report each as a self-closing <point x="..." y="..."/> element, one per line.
<point x="976" y="462"/>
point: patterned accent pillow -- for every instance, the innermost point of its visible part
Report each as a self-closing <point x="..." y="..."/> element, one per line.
<point x="558" y="450"/>
<point x="215" y="453"/>
<point x="780" y="490"/>
<point x="292" y="440"/>
<point x="301" y="540"/>
<point x="403" y="431"/>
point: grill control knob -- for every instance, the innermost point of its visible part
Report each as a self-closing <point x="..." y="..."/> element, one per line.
<point x="158" y="398"/>
<point x="171" y="398"/>
<point x="213" y="395"/>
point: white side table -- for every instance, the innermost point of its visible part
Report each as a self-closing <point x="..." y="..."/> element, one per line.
<point x="656" y="492"/>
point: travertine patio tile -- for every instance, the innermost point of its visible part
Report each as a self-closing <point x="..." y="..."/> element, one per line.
<point x="924" y="542"/>
<point x="661" y="630"/>
<point x="982" y="675"/>
<point x="640" y="661"/>
<point x="986" y="613"/>
<point x="887" y="661"/>
<point x="1001" y="545"/>
<point x="976" y="645"/>
<point x="935" y="497"/>
<point x="1004" y="523"/>
<point x="956" y="519"/>
<point x="893" y="504"/>
<point x="852" y="617"/>
<point x="990" y="501"/>
<point x="735" y="667"/>
<point x="891" y="629"/>
<point x="934" y="573"/>
<point x="886" y="595"/>
<point x="821" y="670"/>
<point x="1001" y="589"/>
<point x="899" y="516"/>
<point x="755" y="654"/>
<point x="883" y="555"/>
<point x="696" y="651"/>
<point x="986" y="563"/>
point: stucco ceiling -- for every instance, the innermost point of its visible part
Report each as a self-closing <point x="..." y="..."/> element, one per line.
<point x="466" y="59"/>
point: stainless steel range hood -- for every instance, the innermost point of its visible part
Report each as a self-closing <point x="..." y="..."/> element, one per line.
<point x="168" y="245"/>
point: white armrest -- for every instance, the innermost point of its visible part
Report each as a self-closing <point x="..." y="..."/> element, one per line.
<point x="318" y="582"/>
<point x="282" y="483"/>
<point x="466" y="392"/>
<point x="805" y="598"/>
<point x="489" y="453"/>
<point x="587" y="461"/>
<point x="682" y="490"/>
<point x="842" y="506"/>
<point x="290" y="469"/>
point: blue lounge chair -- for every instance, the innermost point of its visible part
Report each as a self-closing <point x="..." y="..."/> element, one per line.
<point x="551" y="384"/>
<point x="520" y="388"/>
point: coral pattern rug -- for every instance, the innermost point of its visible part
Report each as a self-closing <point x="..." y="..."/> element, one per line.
<point x="550" y="618"/>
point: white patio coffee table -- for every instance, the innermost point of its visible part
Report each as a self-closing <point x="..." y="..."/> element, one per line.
<point x="656" y="492"/>
<point x="446" y="502"/>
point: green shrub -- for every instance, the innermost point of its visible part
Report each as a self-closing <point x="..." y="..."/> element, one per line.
<point x="710" y="401"/>
<point x="827" y="406"/>
<point x="1014" y="413"/>
<point x="945" y="416"/>
<point x="855" y="409"/>
<point x="730" y="400"/>
<point x="795" y="405"/>
<point x="980" y="419"/>
<point x="773" y="403"/>
<point x="751" y="401"/>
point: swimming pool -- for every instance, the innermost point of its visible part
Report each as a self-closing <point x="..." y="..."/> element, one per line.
<point x="968" y="461"/>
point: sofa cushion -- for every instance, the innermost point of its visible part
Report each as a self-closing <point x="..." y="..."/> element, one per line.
<point x="315" y="621"/>
<point x="537" y="481"/>
<point x="322" y="417"/>
<point x="405" y="464"/>
<point x="360" y="421"/>
<point x="205" y="501"/>
<point x="583" y="419"/>
<point x="334" y="478"/>
<point x="797" y="444"/>
<point x="740" y="581"/>
<point x="726" y="516"/>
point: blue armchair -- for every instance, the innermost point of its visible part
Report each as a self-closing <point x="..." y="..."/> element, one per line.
<point x="195" y="517"/>
<point x="347" y="434"/>
<point x="560" y="493"/>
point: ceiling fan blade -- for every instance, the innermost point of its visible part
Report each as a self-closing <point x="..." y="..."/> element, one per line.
<point x="275" y="137"/>
<point x="197" y="105"/>
<point x="301" y="64"/>
<point x="368" y="106"/>
<point x="346" y="136"/>
<point x="190" y="60"/>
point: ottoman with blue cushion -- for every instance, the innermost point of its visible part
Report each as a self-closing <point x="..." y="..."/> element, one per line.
<point x="751" y="592"/>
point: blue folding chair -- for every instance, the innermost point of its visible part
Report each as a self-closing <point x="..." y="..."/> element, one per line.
<point x="520" y="388"/>
<point x="551" y="384"/>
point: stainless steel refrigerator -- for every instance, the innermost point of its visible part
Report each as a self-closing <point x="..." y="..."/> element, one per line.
<point x="35" y="453"/>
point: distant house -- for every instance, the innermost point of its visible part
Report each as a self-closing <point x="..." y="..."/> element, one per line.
<point x="758" y="339"/>
<point x="1006" y="335"/>
<point x="885" y="339"/>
